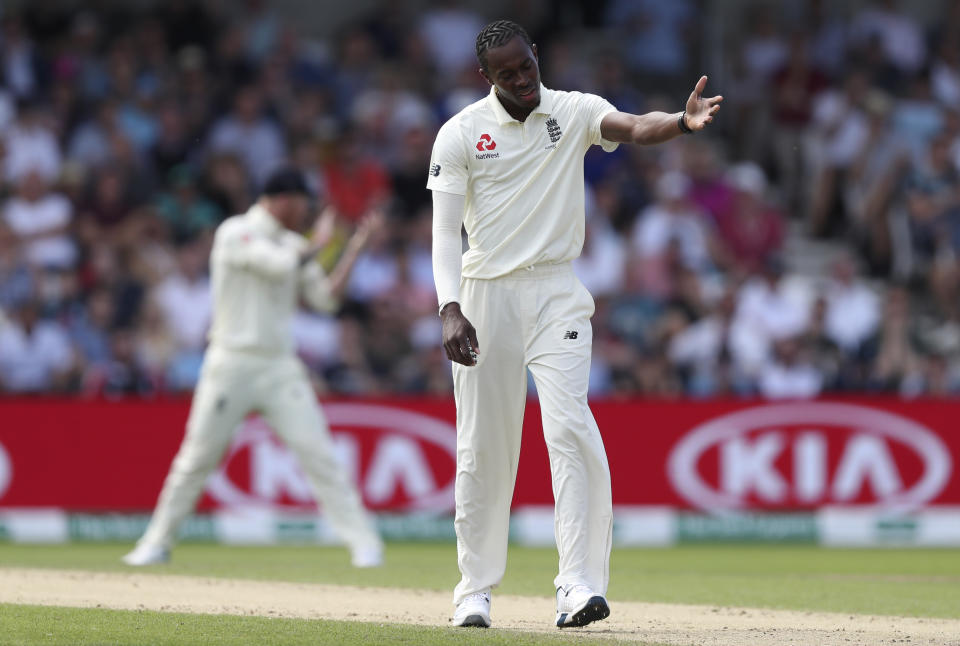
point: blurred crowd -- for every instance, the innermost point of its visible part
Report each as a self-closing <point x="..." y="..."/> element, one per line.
<point x="808" y="243"/>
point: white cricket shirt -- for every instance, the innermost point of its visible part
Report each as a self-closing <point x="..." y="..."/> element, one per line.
<point x="257" y="281"/>
<point x="523" y="181"/>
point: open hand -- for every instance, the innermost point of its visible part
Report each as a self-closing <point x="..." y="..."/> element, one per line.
<point x="700" y="111"/>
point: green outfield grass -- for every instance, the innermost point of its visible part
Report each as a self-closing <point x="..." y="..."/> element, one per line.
<point x="46" y="626"/>
<point x="921" y="582"/>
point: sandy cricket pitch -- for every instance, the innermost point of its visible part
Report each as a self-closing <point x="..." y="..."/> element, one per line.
<point x="629" y="621"/>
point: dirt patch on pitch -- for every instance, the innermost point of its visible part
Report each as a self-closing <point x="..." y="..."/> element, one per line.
<point x="629" y="621"/>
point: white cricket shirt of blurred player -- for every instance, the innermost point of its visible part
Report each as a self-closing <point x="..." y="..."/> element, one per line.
<point x="256" y="284"/>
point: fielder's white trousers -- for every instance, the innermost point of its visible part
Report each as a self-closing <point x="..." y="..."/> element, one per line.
<point x="536" y="318"/>
<point x="231" y="386"/>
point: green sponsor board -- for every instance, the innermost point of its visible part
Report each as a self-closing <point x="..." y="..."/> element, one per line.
<point x="130" y="527"/>
<point x="416" y="527"/>
<point x="792" y="528"/>
<point x="296" y="530"/>
<point x="896" y="530"/>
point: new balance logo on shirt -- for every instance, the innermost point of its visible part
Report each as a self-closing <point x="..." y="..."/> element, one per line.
<point x="435" y="170"/>
<point x="570" y="334"/>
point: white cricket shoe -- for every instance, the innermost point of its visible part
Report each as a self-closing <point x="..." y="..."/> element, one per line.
<point x="578" y="605"/>
<point x="474" y="611"/>
<point x="365" y="557"/>
<point x="147" y="554"/>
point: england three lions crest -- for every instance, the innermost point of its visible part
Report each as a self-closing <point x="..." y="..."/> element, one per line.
<point x="553" y="130"/>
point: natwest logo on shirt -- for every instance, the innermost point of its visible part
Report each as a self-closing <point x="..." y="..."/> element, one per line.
<point x="401" y="460"/>
<point x="805" y="455"/>
<point x="485" y="146"/>
<point x="486" y="143"/>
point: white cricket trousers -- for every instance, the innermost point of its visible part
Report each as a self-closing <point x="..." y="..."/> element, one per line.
<point x="536" y="318"/>
<point x="233" y="384"/>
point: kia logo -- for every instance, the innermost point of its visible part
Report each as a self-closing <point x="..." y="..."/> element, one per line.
<point x="399" y="458"/>
<point x="6" y="471"/>
<point x="809" y="454"/>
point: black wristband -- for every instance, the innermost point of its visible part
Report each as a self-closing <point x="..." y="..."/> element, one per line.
<point x="682" y="124"/>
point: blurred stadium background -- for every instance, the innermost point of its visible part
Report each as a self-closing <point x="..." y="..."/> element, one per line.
<point x="804" y="248"/>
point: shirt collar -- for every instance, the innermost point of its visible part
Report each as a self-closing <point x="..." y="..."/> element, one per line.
<point x="545" y="106"/>
<point x="263" y="219"/>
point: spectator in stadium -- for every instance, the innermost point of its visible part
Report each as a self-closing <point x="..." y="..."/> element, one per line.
<point x="900" y="37"/>
<point x="657" y="39"/>
<point x="185" y="302"/>
<point x="30" y="145"/>
<point x="794" y="85"/>
<point x="770" y="307"/>
<point x="185" y="210"/>
<point x="21" y="62"/>
<point x="17" y="281"/>
<point x="670" y="228"/>
<point x="898" y="367"/>
<point x="602" y="263"/>
<point x="41" y="219"/>
<point x="929" y="196"/>
<point x="701" y="351"/>
<point x="154" y="345"/>
<point x="872" y="182"/>
<point x="838" y="132"/>
<point x="35" y="354"/>
<point x="248" y="133"/>
<point x="749" y="229"/>
<point x="852" y="315"/>
<point x="449" y="29"/>
<point x="789" y="374"/>
<point x="355" y="180"/>
<point x="90" y="332"/>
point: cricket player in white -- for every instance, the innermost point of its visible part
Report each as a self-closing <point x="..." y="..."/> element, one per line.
<point x="260" y="268"/>
<point x="509" y="168"/>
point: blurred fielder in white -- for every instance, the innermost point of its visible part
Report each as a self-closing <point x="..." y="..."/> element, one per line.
<point x="260" y="268"/>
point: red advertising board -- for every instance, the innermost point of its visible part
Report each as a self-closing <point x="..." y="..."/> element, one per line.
<point x="113" y="456"/>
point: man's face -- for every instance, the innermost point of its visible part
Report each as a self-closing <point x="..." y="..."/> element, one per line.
<point x="291" y="210"/>
<point x="514" y="69"/>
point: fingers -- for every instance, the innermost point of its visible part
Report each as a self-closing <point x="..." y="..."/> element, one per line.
<point x="702" y="83"/>
<point x="462" y="348"/>
<point x="460" y="353"/>
<point x="456" y="353"/>
<point x="472" y="336"/>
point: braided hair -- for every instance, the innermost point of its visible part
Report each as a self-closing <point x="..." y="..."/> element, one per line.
<point x="497" y="34"/>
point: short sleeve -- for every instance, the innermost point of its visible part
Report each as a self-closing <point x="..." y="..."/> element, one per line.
<point x="448" y="164"/>
<point x="595" y="108"/>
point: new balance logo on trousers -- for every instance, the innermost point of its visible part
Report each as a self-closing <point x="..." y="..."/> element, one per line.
<point x="570" y="334"/>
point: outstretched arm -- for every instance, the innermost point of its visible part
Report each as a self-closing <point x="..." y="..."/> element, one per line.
<point x="657" y="127"/>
